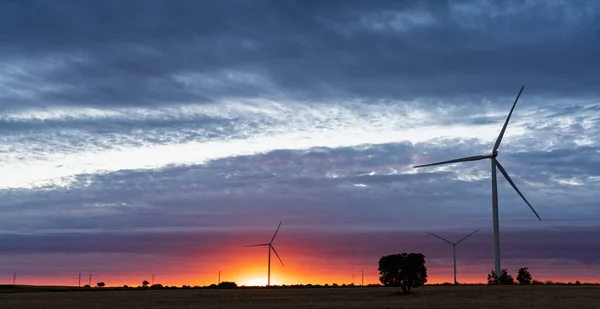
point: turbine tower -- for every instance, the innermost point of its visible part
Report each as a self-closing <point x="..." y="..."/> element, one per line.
<point x="454" y="248"/>
<point x="270" y="245"/>
<point x="495" y="164"/>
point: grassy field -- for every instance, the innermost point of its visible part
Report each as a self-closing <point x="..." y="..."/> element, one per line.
<point x="538" y="296"/>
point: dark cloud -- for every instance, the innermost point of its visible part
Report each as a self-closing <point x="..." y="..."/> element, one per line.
<point x="115" y="53"/>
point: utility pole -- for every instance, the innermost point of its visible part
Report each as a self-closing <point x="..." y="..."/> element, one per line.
<point x="79" y="279"/>
<point x="219" y="278"/>
<point x="14" y="278"/>
<point x="362" y="279"/>
<point x="90" y="282"/>
<point x="352" y="266"/>
<point x="152" y="280"/>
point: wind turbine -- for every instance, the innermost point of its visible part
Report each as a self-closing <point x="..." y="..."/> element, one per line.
<point x="454" y="248"/>
<point x="270" y="245"/>
<point x="495" y="164"/>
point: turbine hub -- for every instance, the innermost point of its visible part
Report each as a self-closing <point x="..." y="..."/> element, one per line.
<point x="494" y="154"/>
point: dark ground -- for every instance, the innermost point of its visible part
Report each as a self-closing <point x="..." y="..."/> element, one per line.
<point x="476" y="296"/>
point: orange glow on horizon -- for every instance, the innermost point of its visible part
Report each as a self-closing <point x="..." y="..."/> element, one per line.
<point x="248" y="267"/>
<point x="255" y="276"/>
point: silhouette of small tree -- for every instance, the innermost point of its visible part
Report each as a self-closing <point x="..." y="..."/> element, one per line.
<point x="145" y="283"/>
<point x="505" y="277"/>
<point x="227" y="285"/>
<point x="100" y="284"/>
<point x="406" y="270"/>
<point x="492" y="277"/>
<point x="524" y="277"/>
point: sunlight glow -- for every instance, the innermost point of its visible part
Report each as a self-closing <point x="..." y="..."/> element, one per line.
<point x="256" y="281"/>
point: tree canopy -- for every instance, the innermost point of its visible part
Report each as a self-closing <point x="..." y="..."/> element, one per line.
<point x="523" y="276"/>
<point x="492" y="277"/>
<point x="504" y="278"/>
<point x="406" y="270"/>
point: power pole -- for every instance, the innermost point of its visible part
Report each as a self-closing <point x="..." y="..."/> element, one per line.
<point x="352" y="266"/>
<point x="14" y="278"/>
<point x="219" y="278"/>
<point x="90" y="282"/>
<point x="152" y="280"/>
<point x="79" y="279"/>
<point x="362" y="279"/>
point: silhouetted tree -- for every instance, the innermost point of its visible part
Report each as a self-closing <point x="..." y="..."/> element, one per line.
<point x="145" y="283"/>
<point x="492" y="278"/>
<point x="100" y="284"/>
<point x="227" y="285"/>
<point x="577" y="282"/>
<point x="156" y="286"/>
<point x="505" y="277"/>
<point x="524" y="277"/>
<point x="404" y="270"/>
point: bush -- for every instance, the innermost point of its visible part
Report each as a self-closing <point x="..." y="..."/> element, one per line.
<point x="100" y="284"/>
<point x="227" y="285"/>
<point x="523" y="276"/>
<point x="505" y="277"/>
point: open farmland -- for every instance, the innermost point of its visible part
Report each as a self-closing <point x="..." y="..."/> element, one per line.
<point x="477" y="296"/>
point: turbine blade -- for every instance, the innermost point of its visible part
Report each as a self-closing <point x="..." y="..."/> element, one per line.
<point x="506" y="122"/>
<point x="465" y="159"/>
<point x="258" y="245"/>
<point x="442" y="238"/>
<point x="458" y="242"/>
<point x="503" y="171"/>
<point x="275" y="251"/>
<point x="276" y="232"/>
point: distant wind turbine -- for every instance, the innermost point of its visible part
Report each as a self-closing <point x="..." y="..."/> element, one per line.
<point x="270" y="245"/>
<point x="454" y="248"/>
<point x="495" y="164"/>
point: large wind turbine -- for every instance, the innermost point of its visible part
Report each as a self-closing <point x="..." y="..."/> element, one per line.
<point x="270" y="245"/>
<point x="454" y="248"/>
<point x="495" y="164"/>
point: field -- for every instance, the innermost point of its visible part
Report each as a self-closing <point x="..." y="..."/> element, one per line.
<point x="477" y="296"/>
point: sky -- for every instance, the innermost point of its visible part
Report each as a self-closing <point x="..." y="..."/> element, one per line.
<point x="161" y="137"/>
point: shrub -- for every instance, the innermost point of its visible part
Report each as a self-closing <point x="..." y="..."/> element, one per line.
<point x="227" y="285"/>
